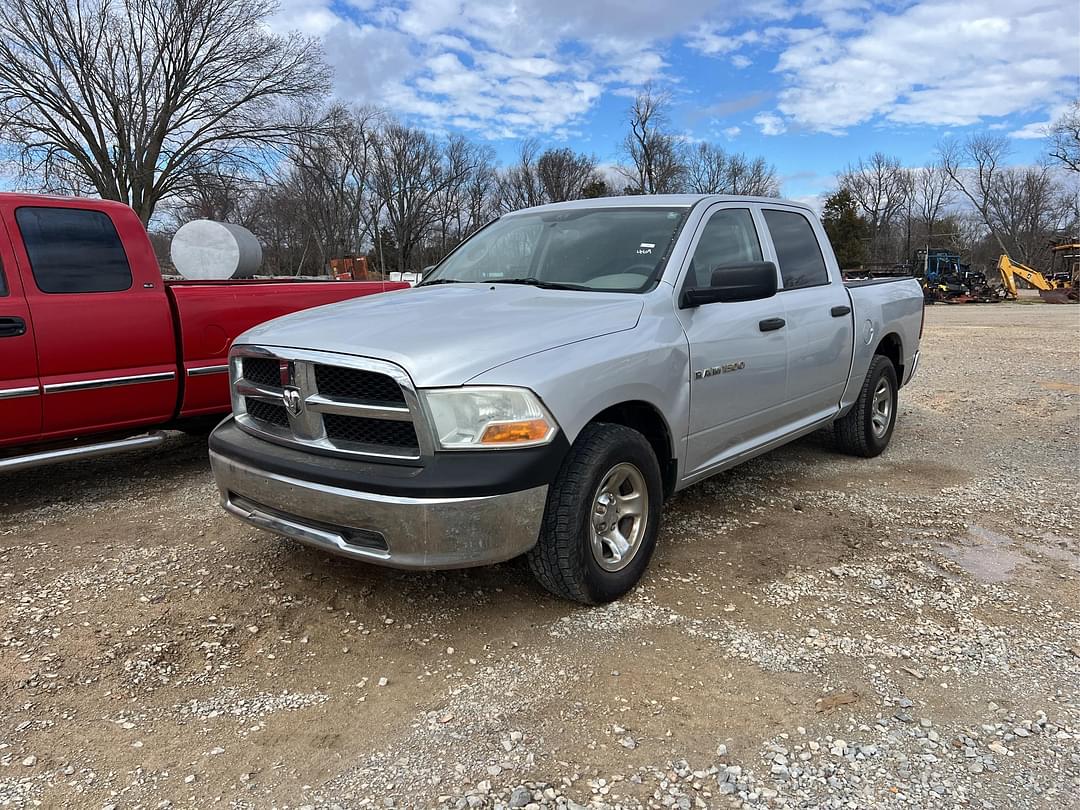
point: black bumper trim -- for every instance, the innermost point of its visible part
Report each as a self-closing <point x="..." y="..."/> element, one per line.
<point x="459" y="474"/>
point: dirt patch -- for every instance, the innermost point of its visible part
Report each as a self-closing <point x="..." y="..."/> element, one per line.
<point x="815" y="631"/>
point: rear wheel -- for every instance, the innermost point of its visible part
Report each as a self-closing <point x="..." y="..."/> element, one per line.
<point x="867" y="428"/>
<point x="602" y="517"/>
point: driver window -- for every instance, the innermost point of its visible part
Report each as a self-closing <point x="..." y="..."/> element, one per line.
<point x="729" y="237"/>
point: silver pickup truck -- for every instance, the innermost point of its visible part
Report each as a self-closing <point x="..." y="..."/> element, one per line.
<point x="554" y="379"/>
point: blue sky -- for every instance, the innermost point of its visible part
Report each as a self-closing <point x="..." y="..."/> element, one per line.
<point x="809" y="85"/>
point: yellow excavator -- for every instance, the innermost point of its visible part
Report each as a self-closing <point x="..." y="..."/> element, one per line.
<point x="1060" y="286"/>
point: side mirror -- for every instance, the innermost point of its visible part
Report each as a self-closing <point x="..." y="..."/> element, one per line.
<point x="734" y="282"/>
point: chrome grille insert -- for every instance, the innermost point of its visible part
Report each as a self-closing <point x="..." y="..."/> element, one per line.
<point x="331" y="403"/>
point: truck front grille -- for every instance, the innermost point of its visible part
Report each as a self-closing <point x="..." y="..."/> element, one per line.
<point x="262" y="371"/>
<point x="261" y="411"/>
<point x="355" y="383"/>
<point x="336" y="404"/>
<point x="370" y="431"/>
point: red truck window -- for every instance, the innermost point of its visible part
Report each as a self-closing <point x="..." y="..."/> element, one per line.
<point x="3" y="282"/>
<point x="73" y="250"/>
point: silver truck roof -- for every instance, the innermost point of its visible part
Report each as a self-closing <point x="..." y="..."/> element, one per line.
<point x="658" y="201"/>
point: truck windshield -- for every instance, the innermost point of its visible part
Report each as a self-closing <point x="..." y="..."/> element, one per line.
<point x="601" y="249"/>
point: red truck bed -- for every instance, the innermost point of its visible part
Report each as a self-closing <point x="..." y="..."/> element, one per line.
<point x="94" y="342"/>
<point x="210" y="314"/>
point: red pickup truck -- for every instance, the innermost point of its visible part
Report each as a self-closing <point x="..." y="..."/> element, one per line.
<point x="96" y="350"/>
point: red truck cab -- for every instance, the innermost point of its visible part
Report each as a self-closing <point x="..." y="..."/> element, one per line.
<point x="95" y="347"/>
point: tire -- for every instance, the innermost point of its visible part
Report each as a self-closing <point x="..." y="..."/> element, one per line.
<point x="570" y="560"/>
<point x="865" y="430"/>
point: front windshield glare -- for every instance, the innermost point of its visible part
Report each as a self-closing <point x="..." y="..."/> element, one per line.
<point x="613" y="249"/>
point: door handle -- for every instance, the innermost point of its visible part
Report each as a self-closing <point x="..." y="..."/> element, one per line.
<point x="840" y="312"/>
<point x="771" y="324"/>
<point x="12" y="327"/>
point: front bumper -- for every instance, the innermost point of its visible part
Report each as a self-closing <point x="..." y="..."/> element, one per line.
<point x="392" y="530"/>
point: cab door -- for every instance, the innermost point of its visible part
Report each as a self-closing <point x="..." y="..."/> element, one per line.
<point x="20" y="389"/>
<point x="738" y="350"/>
<point x="102" y="325"/>
<point x="819" y="319"/>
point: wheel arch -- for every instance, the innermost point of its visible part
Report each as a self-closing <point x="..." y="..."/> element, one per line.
<point x="892" y="346"/>
<point x="648" y="420"/>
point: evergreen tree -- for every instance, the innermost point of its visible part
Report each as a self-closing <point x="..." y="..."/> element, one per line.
<point x="848" y="232"/>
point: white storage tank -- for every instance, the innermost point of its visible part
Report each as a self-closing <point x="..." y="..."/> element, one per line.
<point x="207" y="250"/>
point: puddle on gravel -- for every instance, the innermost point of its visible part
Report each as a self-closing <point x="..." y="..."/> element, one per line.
<point x="986" y="555"/>
<point x="1060" y="549"/>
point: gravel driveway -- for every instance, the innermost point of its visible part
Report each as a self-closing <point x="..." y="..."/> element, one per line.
<point x="815" y="631"/>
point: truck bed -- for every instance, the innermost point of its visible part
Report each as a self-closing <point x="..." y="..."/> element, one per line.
<point x="210" y="314"/>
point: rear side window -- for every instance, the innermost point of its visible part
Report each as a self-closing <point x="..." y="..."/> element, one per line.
<point x="73" y="250"/>
<point x="729" y="237"/>
<point x="797" y="250"/>
<point x="3" y="282"/>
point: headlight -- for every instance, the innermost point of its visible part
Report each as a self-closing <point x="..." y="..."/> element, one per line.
<point x="477" y="418"/>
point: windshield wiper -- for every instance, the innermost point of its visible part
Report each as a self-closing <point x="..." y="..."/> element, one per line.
<point x="435" y="281"/>
<point x="533" y="281"/>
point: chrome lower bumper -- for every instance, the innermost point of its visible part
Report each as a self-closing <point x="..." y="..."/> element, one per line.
<point x="383" y="529"/>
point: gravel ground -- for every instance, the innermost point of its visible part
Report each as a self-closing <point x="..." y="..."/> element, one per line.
<point x="815" y="631"/>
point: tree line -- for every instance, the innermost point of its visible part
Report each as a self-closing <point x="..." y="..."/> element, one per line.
<point x="967" y="200"/>
<point x="185" y="110"/>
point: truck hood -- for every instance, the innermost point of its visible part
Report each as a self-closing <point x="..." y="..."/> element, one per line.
<point x="448" y="334"/>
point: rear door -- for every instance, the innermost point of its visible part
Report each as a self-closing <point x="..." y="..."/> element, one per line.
<point x="102" y="323"/>
<point x="818" y="314"/>
<point x="737" y="367"/>
<point x="20" y="391"/>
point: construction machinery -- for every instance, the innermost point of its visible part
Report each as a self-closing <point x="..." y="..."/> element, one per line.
<point x="946" y="279"/>
<point x="1060" y="286"/>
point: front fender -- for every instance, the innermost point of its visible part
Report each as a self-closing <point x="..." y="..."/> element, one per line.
<point x="649" y="363"/>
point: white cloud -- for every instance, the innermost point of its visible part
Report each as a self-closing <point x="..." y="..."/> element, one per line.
<point x="770" y="123"/>
<point x="937" y="62"/>
<point x="537" y="66"/>
<point x="1037" y="130"/>
<point x="731" y="132"/>
<point x="540" y="66"/>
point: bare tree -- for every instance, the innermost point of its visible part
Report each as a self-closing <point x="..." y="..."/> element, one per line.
<point x="706" y="169"/>
<point x="973" y="166"/>
<point x="1026" y="209"/>
<point x="711" y="170"/>
<point x="519" y="186"/>
<point x="555" y="175"/>
<point x="1065" y="138"/>
<point x="880" y="188"/>
<point x="657" y="166"/>
<point x="328" y="171"/>
<point x="465" y="166"/>
<point x="213" y="194"/>
<point x="931" y="194"/>
<point x="754" y="178"/>
<point x="138" y="97"/>
<point x="408" y="176"/>
<point x="564" y="174"/>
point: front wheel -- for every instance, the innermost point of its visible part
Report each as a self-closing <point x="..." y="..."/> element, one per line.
<point x="867" y="428"/>
<point x="602" y="517"/>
